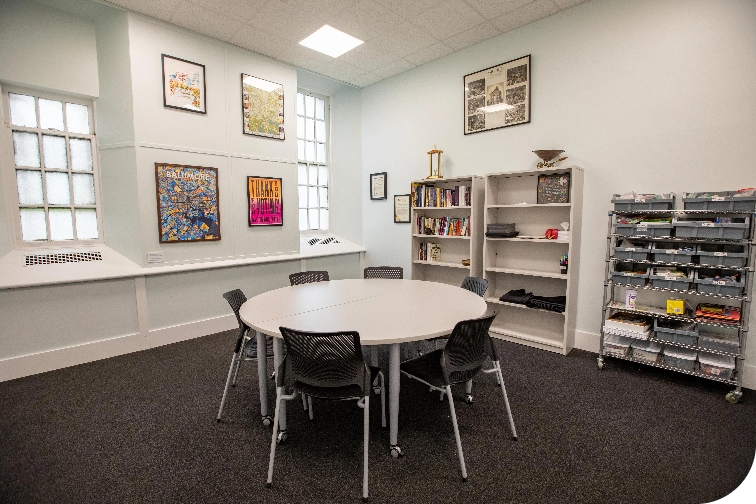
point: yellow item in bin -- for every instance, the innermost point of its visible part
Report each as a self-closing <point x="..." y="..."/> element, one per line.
<point x="676" y="306"/>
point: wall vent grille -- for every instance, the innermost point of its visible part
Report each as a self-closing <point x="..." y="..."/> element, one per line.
<point x="69" y="257"/>
<point x="322" y="241"/>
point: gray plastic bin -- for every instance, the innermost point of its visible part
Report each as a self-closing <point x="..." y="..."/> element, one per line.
<point x="672" y="252"/>
<point x="680" y="358"/>
<point x="644" y="202"/>
<point x="630" y="274"/>
<point x="717" y="365"/>
<point x="661" y="281"/>
<point x="656" y="229"/>
<point x="719" y="201"/>
<point x="719" y="342"/>
<point x="638" y="252"/>
<point x="714" y="230"/>
<point x="718" y="254"/>
<point x="714" y="286"/>
<point x="684" y="333"/>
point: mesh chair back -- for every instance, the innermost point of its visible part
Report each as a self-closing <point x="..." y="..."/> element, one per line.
<point x="475" y="284"/>
<point x="384" y="272"/>
<point x="464" y="354"/>
<point x="323" y="360"/>
<point x="308" y="277"/>
<point x="236" y="298"/>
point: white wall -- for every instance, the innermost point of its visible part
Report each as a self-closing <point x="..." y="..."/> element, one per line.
<point x="646" y="95"/>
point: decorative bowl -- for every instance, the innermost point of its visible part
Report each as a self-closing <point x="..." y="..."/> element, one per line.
<point x="547" y="155"/>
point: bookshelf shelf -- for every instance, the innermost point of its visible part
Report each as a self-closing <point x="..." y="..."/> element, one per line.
<point x="440" y="236"/>
<point x="443" y="208"/>
<point x="512" y="271"/>
<point x="494" y="300"/>
<point x="531" y="205"/>
<point x="443" y="264"/>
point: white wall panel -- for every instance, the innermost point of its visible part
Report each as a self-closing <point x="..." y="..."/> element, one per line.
<point x="120" y="202"/>
<point x="338" y="267"/>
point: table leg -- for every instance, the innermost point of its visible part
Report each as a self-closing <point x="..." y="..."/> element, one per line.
<point x="277" y="358"/>
<point x="394" y="375"/>
<point x="262" y="377"/>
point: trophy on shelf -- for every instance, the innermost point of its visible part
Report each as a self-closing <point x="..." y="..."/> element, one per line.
<point x="548" y="157"/>
<point x="435" y="168"/>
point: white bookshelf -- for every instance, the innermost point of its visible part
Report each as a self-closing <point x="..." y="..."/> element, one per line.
<point x="449" y="268"/>
<point x="530" y="261"/>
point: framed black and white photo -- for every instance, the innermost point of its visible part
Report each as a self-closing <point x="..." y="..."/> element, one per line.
<point x="401" y="208"/>
<point x="497" y="97"/>
<point x="378" y="186"/>
<point x="183" y="85"/>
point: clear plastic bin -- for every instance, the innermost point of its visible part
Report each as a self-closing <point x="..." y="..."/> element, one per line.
<point x="684" y="333"/>
<point x="617" y="346"/>
<point x="719" y="342"/>
<point x="647" y="351"/>
<point x="720" y="201"/>
<point x="680" y="358"/>
<point x="722" y="254"/>
<point x="661" y="281"/>
<point x="638" y="252"/>
<point x="714" y="230"/>
<point x="721" y="366"/>
<point x="673" y="252"/>
<point x="706" y="284"/>
<point x="644" y="202"/>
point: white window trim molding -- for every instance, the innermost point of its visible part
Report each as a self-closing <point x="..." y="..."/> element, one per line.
<point x="328" y="163"/>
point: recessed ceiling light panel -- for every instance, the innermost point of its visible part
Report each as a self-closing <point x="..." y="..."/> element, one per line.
<point x="331" y="41"/>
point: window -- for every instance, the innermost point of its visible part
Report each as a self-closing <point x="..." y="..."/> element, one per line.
<point x="55" y="167"/>
<point x="312" y="146"/>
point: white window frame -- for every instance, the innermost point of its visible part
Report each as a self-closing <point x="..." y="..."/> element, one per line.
<point x="8" y="168"/>
<point x="328" y="147"/>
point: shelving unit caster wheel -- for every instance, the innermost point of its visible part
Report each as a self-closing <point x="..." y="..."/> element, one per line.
<point x="733" y="396"/>
<point x="468" y="399"/>
<point x="267" y="421"/>
<point x="600" y="362"/>
<point x="396" y="452"/>
<point x="282" y="437"/>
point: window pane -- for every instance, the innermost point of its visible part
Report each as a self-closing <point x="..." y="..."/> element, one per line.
<point x="323" y="196"/>
<point x="26" y="149"/>
<point x="84" y="192"/>
<point x="300" y="104"/>
<point x="86" y="223"/>
<point x="312" y="198"/>
<point x="33" y="225"/>
<point x="323" y="218"/>
<point x="301" y="173"/>
<point x="321" y="157"/>
<point x="309" y="106"/>
<point x="302" y="196"/>
<point x="77" y="117"/>
<point x="50" y="114"/>
<point x="29" y="187"/>
<point x="58" y="192"/>
<point x="312" y="214"/>
<point x="320" y="131"/>
<point x="22" y="111"/>
<point x="310" y="151"/>
<point x="323" y="175"/>
<point x="81" y="154"/>
<point x="54" y="148"/>
<point x="309" y="129"/>
<point x="303" y="220"/>
<point x="319" y="109"/>
<point x="61" y="224"/>
<point x="300" y="127"/>
<point x="313" y="177"/>
<point x="300" y="150"/>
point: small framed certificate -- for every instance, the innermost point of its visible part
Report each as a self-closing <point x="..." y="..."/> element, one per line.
<point x="378" y="186"/>
<point x="401" y="208"/>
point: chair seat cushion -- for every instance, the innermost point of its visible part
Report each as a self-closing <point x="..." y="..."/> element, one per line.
<point x="426" y="367"/>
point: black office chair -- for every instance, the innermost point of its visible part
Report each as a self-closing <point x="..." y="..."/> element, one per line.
<point x="326" y="366"/>
<point x="308" y="277"/>
<point x="458" y="362"/>
<point x="395" y="272"/>
<point x="246" y="348"/>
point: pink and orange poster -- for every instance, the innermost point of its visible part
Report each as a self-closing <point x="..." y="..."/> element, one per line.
<point x="265" y="201"/>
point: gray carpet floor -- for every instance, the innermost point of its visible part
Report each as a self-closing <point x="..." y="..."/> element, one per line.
<point x="141" y="428"/>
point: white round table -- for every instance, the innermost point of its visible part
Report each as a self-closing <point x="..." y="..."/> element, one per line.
<point x="383" y="312"/>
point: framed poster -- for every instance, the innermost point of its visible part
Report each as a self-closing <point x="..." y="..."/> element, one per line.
<point x="553" y="188"/>
<point x="265" y="198"/>
<point x="498" y="97"/>
<point x="378" y="185"/>
<point x="183" y="85"/>
<point x="187" y="203"/>
<point x="401" y="208"/>
<point x="262" y="107"/>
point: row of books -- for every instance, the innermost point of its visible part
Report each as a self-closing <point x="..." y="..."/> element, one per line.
<point x="429" y="252"/>
<point x="430" y="196"/>
<point x="442" y="226"/>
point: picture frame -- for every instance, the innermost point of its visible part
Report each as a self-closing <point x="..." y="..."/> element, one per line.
<point x="188" y="203"/>
<point x="262" y="107"/>
<point x="553" y="188"/>
<point x="378" y="186"/>
<point x="184" y="85"/>
<point x="402" y="208"/>
<point x="498" y="96"/>
<point x="264" y="201"/>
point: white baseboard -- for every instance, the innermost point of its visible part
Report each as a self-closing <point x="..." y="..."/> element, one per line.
<point x="590" y="342"/>
<point x="26" y="365"/>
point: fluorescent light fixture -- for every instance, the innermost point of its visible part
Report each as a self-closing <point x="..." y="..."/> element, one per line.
<point x="496" y="108"/>
<point x="331" y="41"/>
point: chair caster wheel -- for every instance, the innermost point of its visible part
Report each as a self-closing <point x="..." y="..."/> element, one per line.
<point x="273" y="376"/>
<point x="396" y="452"/>
<point x="217" y="420"/>
<point x="441" y="396"/>
<point x="361" y="403"/>
<point x="282" y="437"/>
<point x="377" y="390"/>
<point x="268" y="485"/>
<point x="464" y="480"/>
<point x="364" y="499"/>
<point x="514" y="438"/>
<point x="468" y="398"/>
<point x="600" y="363"/>
<point x="267" y="421"/>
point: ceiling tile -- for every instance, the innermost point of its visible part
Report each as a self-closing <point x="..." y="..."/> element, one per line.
<point x="430" y="53"/>
<point x="447" y="18"/>
<point x="287" y="22"/>
<point x="340" y="71"/>
<point x="303" y="57"/>
<point x="490" y="9"/>
<point x="368" y="57"/>
<point x="566" y="4"/>
<point x="365" y="20"/>
<point x="525" y="15"/>
<point x="241" y="10"/>
<point x="472" y="36"/>
<point x="321" y="8"/>
<point x="394" y="68"/>
<point x="200" y="20"/>
<point x="161" y="10"/>
<point x="259" y="41"/>
<point x="404" y="39"/>
<point x="409" y="10"/>
<point x="366" y="80"/>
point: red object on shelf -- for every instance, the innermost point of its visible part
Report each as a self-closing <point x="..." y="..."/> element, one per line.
<point x="551" y="234"/>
